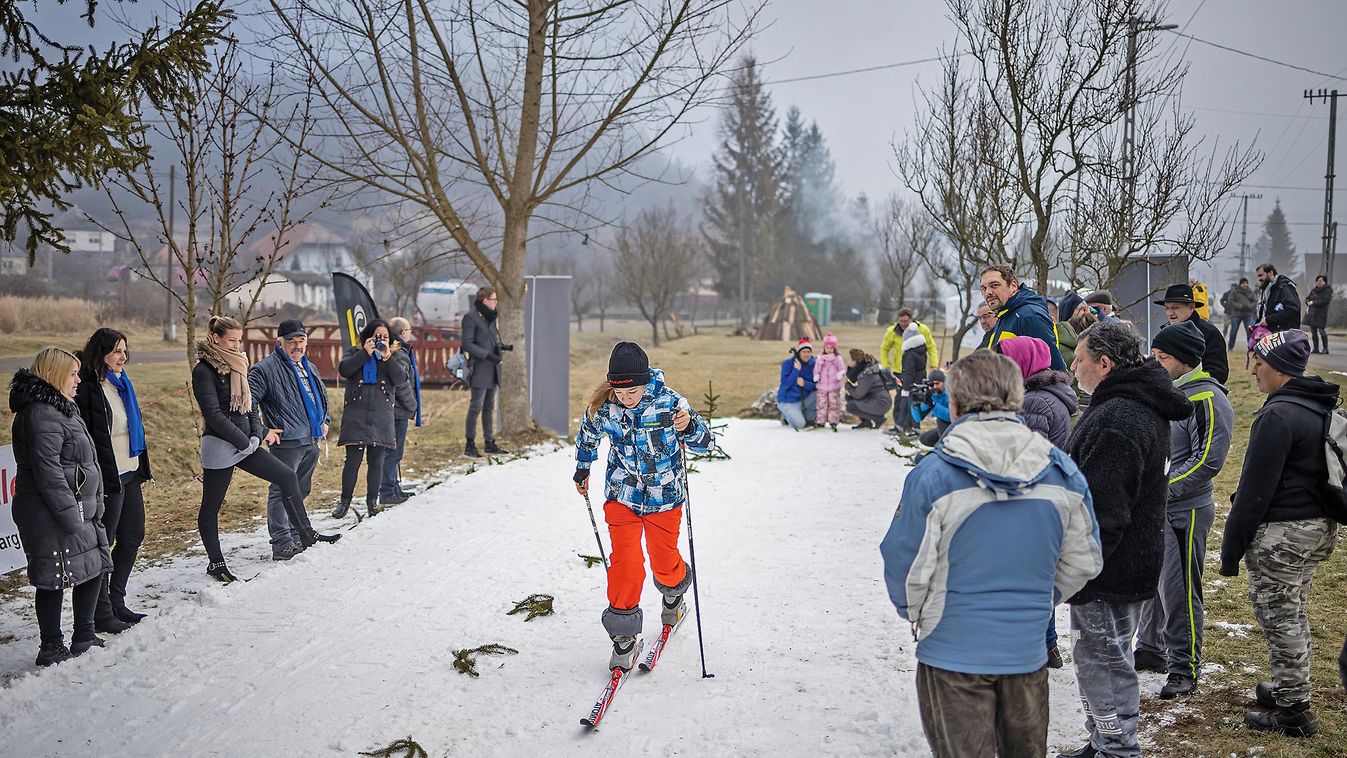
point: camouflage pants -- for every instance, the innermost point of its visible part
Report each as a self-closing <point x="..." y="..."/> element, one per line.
<point x="1281" y="560"/>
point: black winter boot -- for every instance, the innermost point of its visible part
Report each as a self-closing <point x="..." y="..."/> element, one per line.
<point x="1178" y="686"/>
<point x="52" y="653"/>
<point x="221" y="573"/>
<point x="126" y="614"/>
<point x="470" y="449"/>
<point x="492" y="447"/>
<point x="1296" y="721"/>
<point x="341" y="510"/>
<point x="327" y="538"/>
<point x="80" y="646"/>
<point x="1152" y="663"/>
<point x="372" y="508"/>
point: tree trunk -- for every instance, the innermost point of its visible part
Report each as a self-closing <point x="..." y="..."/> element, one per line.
<point x="516" y="411"/>
<point x="654" y="331"/>
<point x="957" y="344"/>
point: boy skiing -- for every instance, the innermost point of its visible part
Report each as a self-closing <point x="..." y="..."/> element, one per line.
<point x="644" y="491"/>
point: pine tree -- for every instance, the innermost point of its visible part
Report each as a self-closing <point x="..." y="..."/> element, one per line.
<point x="1276" y="240"/>
<point x="66" y="113"/>
<point x="743" y="207"/>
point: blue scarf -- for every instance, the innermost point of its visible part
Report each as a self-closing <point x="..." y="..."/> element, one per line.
<point x="310" y="398"/>
<point x="135" y="425"/>
<point x="371" y="371"/>
<point x="416" y="378"/>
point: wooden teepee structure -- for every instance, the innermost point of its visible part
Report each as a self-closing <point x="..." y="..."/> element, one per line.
<point x="789" y="321"/>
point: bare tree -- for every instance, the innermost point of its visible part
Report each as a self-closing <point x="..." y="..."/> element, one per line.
<point x="225" y="151"/>
<point x="582" y="287"/>
<point x="896" y="227"/>
<point x="951" y="165"/>
<point x="655" y="263"/>
<point x="487" y="114"/>
<point x="1060" y="75"/>
<point x="601" y="274"/>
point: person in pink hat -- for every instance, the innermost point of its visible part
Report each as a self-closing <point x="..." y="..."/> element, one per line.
<point x="829" y="371"/>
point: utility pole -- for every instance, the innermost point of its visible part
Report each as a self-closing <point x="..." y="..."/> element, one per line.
<point x="1244" y="232"/>
<point x="1332" y="99"/>
<point x="1135" y="26"/>
<point x="170" y="328"/>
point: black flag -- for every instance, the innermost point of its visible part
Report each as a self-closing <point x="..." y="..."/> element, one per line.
<point x="355" y="308"/>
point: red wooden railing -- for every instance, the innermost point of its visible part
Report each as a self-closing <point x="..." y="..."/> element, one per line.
<point x="434" y="345"/>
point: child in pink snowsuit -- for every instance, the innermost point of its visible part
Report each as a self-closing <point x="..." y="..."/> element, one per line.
<point x="829" y="371"/>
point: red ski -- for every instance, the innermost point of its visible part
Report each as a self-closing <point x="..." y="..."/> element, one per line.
<point x="615" y="682"/>
<point x="657" y="649"/>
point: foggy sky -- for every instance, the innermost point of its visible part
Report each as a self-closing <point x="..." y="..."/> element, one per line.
<point x="862" y="114"/>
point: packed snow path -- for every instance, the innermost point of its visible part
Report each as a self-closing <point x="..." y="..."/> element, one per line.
<point x="350" y="646"/>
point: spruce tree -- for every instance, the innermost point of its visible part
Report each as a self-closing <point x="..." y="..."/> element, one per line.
<point x="67" y="113"/>
<point x="743" y="206"/>
<point x="1281" y="251"/>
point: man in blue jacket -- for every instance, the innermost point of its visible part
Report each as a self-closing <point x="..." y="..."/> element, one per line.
<point x="982" y="547"/>
<point x="795" y="396"/>
<point x="292" y="400"/>
<point x="1020" y="312"/>
<point x="936" y="404"/>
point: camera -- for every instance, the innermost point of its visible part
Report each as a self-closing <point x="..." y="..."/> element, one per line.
<point x="921" y="393"/>
<point x="504" y="348"/>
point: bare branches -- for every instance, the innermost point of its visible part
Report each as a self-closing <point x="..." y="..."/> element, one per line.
<point x="655" y="263"/>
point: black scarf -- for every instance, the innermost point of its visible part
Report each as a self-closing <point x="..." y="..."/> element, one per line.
<point x="485" y="312"/>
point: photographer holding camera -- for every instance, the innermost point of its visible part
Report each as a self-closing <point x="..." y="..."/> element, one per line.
<point x="481" y="341"/>
<point x="930" y="399"/>
<point x="367" y="429"/>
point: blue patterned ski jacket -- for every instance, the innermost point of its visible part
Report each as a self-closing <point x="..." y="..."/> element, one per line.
<point x="645" y="470"/>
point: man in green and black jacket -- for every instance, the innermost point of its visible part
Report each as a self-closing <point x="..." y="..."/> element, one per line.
<point x="1169" y="638"/>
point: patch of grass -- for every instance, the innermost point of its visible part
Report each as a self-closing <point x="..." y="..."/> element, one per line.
<point x="1210" y="723"/>
<point x="26" y="343"/>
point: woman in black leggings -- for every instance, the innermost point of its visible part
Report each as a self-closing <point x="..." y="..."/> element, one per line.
<point x="111" y="410"/>
<point x="232" y="438"/>
<point x="367" y="428"/>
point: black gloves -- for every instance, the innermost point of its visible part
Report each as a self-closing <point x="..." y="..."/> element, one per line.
<point x="581" y="474"/>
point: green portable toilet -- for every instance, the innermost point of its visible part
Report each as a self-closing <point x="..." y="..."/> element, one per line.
<point x="821" y="306"/>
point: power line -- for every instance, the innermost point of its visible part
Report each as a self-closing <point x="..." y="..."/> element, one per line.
<point x="867" y="69"/>
<point x="1256" y="56"/>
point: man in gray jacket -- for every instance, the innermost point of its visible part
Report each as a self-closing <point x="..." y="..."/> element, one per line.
<point x="1169" y="638"/>
<point x="292" y="400"/>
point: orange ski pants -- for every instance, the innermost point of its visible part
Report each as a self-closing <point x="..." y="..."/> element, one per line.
<point x="626" y="572"/>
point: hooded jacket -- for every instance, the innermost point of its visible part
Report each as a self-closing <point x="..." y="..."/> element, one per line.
<point x="1122" y="446"/>
<point x="1049" y="401"/>
<point x="914" y="359"/>
<point x="1067" y="339"/>
<point x="1198" y="444"/>
<point x="645" y="465"/>
<point x="865" y="390"/>
<point x="1026" y="315"/>
<point x="58" y="487"/>
<point x="894" y="339"/>
<point x="1279" y="304"/>
<point x="829" y="371"/>
<point x="994" y="527"/>
<point x="1284" y="467"/>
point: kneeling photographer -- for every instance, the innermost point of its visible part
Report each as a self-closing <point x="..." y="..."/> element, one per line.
<point x="930" y="399"/>
<point x="481" y="341"/>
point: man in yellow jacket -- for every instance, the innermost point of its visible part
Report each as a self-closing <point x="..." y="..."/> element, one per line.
<point x="893" y="341"/>
<point x="1202" y="297"/>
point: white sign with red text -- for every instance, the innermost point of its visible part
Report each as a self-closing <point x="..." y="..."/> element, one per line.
<point x="11" y="552"/>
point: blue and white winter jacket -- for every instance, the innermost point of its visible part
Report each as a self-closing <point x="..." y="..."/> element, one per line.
<point x="995" y="527"/>
<point x="938" y="406"/>
<point x="645" y="468"/>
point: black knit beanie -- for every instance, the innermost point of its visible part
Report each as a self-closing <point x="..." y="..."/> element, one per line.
<point x="1183" y="340"/>
<point x="628" y="366"/>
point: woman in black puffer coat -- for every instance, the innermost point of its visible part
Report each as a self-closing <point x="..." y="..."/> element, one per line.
<point x="367" y="429"/>
<point x="58" y="501"/>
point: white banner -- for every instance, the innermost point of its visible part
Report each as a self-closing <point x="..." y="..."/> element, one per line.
<point x="11" y="552"/>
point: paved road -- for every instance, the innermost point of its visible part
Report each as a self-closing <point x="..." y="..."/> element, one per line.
<point x="14" y="363"/>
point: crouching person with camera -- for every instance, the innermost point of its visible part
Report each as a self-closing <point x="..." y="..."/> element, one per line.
<point x="930" y="399"/>
<point x="481" y="341"/>
<point x="367" y="430"/>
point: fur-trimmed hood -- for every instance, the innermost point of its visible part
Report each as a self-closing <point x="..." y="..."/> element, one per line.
<point x="26" y="388"/>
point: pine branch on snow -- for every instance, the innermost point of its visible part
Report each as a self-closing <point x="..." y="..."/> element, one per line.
<point x="465" y="663"/>
<point x="536" y="605"/>
<point x="407" y="748"/>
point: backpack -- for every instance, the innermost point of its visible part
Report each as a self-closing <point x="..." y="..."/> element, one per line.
<point x="1335" y="443"/>
<point x="458" y="365"/>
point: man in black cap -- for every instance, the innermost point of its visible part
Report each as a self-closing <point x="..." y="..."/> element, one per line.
<point x="1102" y="302"/>
<point x="292" y="400"/>
<point x="1277" y="525"/>
<point x="1169" y="635"/>
<point x="1179" y="307"/>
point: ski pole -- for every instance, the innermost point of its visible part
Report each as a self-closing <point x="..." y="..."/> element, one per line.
<point x="692" y="557"/>
<point x="597" y="539"/>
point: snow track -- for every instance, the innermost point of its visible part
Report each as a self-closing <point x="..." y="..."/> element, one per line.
<point x="350" y="646"/>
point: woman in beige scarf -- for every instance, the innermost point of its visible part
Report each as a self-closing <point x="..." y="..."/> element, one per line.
<point x="231" y="437"/>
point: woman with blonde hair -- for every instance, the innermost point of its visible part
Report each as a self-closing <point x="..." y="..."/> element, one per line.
<point x="58" y="501"/>
<point x="231" y="438"/>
